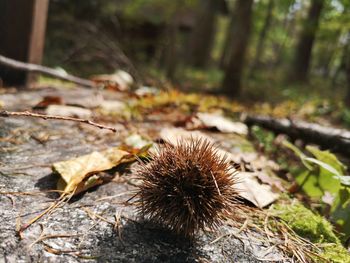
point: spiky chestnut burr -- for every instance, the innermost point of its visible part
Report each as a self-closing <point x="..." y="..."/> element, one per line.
<point x="186" y="187"/>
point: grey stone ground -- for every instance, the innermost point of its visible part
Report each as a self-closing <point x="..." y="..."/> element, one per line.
<point x="25" y="167"/>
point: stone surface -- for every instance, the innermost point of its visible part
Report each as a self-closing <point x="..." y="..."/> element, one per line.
<point x="28" y="147"/>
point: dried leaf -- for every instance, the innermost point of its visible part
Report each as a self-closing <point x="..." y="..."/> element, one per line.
<point x="137" y="145"/>
<point x="49" y="100"/>
<point x="118" y="81"/>
<point x="137" y="141"/>
<point x="221" y="123"/>
<point x="271" y="180"/>
<point x="249" y="188"/>
<point x="76" y="173"/>
<point x="145" y="91"/>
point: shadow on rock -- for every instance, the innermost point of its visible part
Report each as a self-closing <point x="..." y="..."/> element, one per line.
<point x="48" y="183"/>
<point x="145" y="242"/>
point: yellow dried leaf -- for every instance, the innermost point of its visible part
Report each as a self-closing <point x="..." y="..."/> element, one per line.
<point x="76" y="172"/>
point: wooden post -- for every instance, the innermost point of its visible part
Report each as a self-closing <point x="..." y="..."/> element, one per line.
<point x="22" y="35"/>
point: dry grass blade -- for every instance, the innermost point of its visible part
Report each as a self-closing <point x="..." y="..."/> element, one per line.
<point x="64" y="198"/>
<point x="301" y="249"/>
<point x="93" y="215"/>
<point x="44" y="237"/>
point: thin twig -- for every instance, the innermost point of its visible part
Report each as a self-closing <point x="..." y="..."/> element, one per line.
<point x="5" y="114"/>
<point x="45" y="70"/>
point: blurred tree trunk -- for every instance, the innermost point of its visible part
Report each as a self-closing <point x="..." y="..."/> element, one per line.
<point x="347" y="71"/>
<point x="171" y="51"/>
<point x="262" y="37"/>
<point x="326" y="60"/>
<point x="227" y="45"/>
<point x="231" y="85"/>
<point x="346" y="64"/>
<point x="342" y="65"/>
<point x="204" y="33"/>
<point x="300" y="68"/>
<point x="333" y="47"/>
<point x="289" y="25"/>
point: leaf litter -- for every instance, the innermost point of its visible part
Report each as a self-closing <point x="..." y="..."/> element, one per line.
<point x="81" y="173"/>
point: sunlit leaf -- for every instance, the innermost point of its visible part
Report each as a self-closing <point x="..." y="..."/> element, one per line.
<point x="298" y="153"/>
<point x="308" y="181"/>
<point x="340" y="211"/>
<point x="327" y="157"/>
<point x="78" y="174"/>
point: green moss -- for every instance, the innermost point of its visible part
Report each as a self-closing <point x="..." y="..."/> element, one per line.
<point x="307" y="224"/>
<point x="315" y="228"/>
<point x="336" y="253"/>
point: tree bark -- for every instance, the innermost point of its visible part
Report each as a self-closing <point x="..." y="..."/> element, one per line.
<point x="227" y="44"/>
<point x="337" y="140"/>
<point x="170" y="58"/>
<point x="262" y="37"/>
<point x="22" y="36"/>
<point x="342" y="66"/>
<point x="231" y="85"/>
<point x="302" y="59"/>
<point x="204" y="33"/>
<point x="288" y="25"/>
<point x="347" y="72"/>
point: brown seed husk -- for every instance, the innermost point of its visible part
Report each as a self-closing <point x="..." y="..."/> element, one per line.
<point x="187" y="187"/>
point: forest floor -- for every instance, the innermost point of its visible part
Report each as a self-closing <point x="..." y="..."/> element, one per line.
<point x="99" y="225"/>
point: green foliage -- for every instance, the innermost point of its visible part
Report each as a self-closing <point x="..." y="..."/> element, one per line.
<point x="324" y="174"/>
<point x="265" y="138"/>
<point x="340" y="211"/>
<point x="203" y="79"/>
<point x="345" y="116"/>
<point x="155" y="11"/>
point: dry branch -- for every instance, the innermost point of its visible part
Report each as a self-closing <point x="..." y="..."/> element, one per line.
<point x="5" y="114"/>
<point x="338" y="140"/>
<point x="45" y="70"/>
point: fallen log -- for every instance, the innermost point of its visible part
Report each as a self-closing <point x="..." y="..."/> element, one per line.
<point x="18" y="65"/>
<point x="337" y="140"/>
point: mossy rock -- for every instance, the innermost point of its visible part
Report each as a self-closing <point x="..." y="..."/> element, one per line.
<point x="315" y="228"/>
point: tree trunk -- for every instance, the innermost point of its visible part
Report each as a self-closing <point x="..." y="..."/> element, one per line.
<point x="171" y="52"/>
<point x="289" y="25"/>
<point x="342" y="66"/>
<point x="204" y="33"/>
<point x="22" y="36"/>
<point x="262" y="37"/>
<point x="326" y="61"/>
<point x="231" y="85"/>
<point x="227" y="43"/>
<point x="302" y="59"/>
<point x="347" y="72"/>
